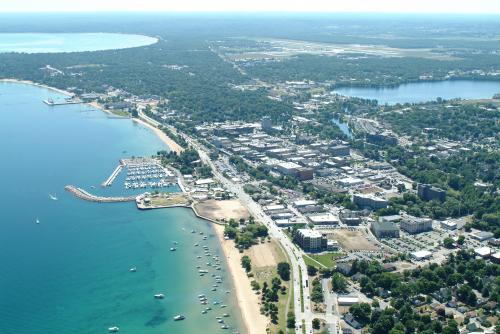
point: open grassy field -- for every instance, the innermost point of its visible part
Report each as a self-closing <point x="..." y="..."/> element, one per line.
<point x="265" y="258"/>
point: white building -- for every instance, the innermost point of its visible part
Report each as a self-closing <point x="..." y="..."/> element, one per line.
<point x="303" y="202"/>
<point x="327" y="219"/>
<point x="347" y="300"/>
<point x="421" y="255"/>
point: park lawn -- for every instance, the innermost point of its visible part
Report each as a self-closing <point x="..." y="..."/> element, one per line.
<point x="266" y="274"/>
<point x="326" y="259"/>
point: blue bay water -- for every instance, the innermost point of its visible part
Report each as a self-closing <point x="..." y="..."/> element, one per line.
<point x="425" y="91"/>
<point x="70" y="42"/>
<point x="70" y="273"/>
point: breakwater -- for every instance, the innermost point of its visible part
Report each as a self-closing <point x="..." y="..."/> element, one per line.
<point x="80" y="193"/>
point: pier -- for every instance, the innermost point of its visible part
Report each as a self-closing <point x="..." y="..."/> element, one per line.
<point x="80" y="193"/>
<point x="53" y="103"/>
<point x="113" y="175"/>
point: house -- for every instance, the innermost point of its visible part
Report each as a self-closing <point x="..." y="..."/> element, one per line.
<point x="344" y="268"/>
<point x="349" y="319"/>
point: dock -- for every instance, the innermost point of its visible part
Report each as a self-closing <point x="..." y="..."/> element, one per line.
<point x="81" y="193"/>
<point x="53" y="103"/>
<point x="112" y="177"/>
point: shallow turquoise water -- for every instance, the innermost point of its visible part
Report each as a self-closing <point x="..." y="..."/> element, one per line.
<point x="70" y="273"/>
<point x="70" y="42"/>
<point x="426" y="91"/>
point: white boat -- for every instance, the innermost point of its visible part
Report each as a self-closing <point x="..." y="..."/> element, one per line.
<point x="159" y="296"/>
<point x="133" y="270"/>
<point x="113" y="329"/>
<point x="224" y="326"/>
<point x="52" y="197"/>
<point x="172" y="249"/>
<point x="37" y="221"/>
<point x="225" y="315"/>
<point x="179" y="317"/>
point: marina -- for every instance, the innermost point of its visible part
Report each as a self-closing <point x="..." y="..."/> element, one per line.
<point x="100" y="253"/>
<point x="147" y="173"/>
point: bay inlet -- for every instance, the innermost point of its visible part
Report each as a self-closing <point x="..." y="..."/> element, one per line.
<point x="70" y="272"/>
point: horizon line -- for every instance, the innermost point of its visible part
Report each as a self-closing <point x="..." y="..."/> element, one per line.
<point x="131" y="11"/>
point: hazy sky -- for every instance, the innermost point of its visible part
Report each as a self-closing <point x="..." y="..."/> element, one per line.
<point x="423" y="6"/>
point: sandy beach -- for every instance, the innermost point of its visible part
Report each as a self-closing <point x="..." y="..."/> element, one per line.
<point x="28" y="82"/>
<point x="248" y="301"/>
<point x="160" y="134"/>
<point x="163" y="137"/>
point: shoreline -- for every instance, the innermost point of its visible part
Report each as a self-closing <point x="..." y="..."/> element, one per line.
<point x="29" y="82"/>
<point x="171" y="144"/>
<point x="248" y="301"/>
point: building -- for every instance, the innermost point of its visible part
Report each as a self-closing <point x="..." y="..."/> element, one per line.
<point x="310" y="240"/>
<point x="350" y="218"/>
<point x="266" y="123"/>
<point x="449" y="225"/>
<point x="350" y="182"/>
<point x="332" y="245"/>
<point x="483" y="252"/>
<point x="370" y="202"/>
<point x="429" y="193"/>
<point x="481" y="235"/>
<point x="304" y="174"/>
<point x="349" y="319"/>
<point x="295" y="170"/>
<point x="381" y="139"/>
<point x="339" y="150"/>
<point x="347" y="300"/>
<point x="383" y="229"/>
<point x="303" y="203"/>
<point x="327" y="219"/>
<point x="421" y="255"/>
<point x="416" y="225"/>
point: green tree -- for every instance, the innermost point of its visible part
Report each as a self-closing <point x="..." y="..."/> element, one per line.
<point x="316" y="324"/>
<point x="284" y="270"/>
<point x="311" y="270"/>
<point x="339" y="282"/>
<point x="246" y="263"/>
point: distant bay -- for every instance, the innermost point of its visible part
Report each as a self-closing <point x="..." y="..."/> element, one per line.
<point x="70" y="42"/>
<point x="70" y="273"/>
<point x="425" y="91"/>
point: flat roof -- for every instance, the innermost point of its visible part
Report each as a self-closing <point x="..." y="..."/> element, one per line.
<point x="309" y="233"/>
<point x="289" y="165"/>
<point x="304" y="202"/>
<point x="421" y="254"/>
<point x="328" y="218"/>
<point x="347" y="299"/>
<point x="204" y="181"/>
<point x="483" y="251"/>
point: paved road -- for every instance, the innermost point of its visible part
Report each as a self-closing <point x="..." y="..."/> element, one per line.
<point x="294" y="253"/>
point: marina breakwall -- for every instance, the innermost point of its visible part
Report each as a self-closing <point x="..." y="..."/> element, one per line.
<point x="82" y="194"/>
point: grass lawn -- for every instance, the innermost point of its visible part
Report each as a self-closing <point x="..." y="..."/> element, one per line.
<point x="326" y="259"/>
<point x="266" y="274"/>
